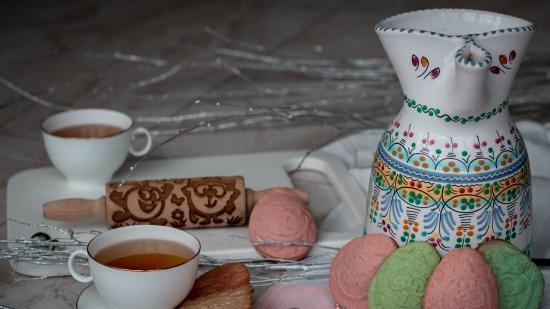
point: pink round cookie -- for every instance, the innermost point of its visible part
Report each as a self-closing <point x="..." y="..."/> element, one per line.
<point x="354" y="267"/>
<point x="462" y="280"/>
<point x="281" y="216"/>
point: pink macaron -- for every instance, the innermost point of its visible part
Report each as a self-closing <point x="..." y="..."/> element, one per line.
<point x="279" y="223"/>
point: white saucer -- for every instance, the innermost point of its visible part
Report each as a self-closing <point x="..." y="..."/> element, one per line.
<point x="90" y="299"/>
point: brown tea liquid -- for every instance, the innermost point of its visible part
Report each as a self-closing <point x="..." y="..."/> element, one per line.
<point x="87" y="131"/>
<point x="149" y="254"/>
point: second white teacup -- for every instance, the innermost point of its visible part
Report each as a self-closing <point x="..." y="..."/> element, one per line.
<point x="141" y="266"/>
<point x="88" y="145"/>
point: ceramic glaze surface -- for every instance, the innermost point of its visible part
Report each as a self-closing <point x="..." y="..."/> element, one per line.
<point x="452" y="169"/>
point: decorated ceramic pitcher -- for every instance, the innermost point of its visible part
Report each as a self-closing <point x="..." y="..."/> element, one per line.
<point x="452" y="169"/>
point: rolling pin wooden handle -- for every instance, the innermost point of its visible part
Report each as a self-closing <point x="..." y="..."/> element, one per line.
<point x="74" y="209"/>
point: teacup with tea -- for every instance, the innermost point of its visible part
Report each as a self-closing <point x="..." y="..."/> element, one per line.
<point x="88" y="145"/>
<point x="141" y="267"/>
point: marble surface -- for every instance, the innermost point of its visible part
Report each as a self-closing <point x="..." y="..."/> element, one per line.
<point x="156" y="58"/>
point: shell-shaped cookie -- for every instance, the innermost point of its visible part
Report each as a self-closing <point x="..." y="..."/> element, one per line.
<point x="401" y="280"/>
<point x="462" y="280"/>
<point x="354" y="267"/>
<point x="520" y="282"/>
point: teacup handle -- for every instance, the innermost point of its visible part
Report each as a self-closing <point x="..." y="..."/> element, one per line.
<point x="148" y="142"/>
<point x="74" y="273"/>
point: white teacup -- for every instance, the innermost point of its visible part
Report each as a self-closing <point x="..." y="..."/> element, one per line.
<point x="90" y="161"/>
<point x="140" y="289"/>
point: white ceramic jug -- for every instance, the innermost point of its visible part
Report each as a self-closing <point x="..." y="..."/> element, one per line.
<point x="452" y="168"/>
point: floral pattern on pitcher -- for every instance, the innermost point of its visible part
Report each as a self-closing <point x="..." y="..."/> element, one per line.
<point x="437" y="112"/>
<point x="505" y="63"/>
<point x="422" y="66"/>
<point x="452" y="155"/>
<point x="445" y="214"/>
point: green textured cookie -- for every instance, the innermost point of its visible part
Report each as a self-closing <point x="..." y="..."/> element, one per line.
<point x="401" y="280"/>
<point x="520" y="282"/>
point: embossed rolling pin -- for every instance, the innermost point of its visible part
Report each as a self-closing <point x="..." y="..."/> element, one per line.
<point x="181" y="203"/>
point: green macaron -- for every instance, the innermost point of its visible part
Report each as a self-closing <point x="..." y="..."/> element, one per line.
<point x="401" y="280"/>
<point x="520" y="282"/>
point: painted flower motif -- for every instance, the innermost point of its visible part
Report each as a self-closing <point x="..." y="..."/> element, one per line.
<point x="489" y="237"/>
<point x="495" y="70"/>
<point x="481" y="144"/>
<point x="505" y="62"/>
<point x="512" y="55"/>
<point x="502" y="59"/>
<point x="424" y="65"/>
<point x="434" y="241"/>
<point x="408" y="132"/>
<point x="434" y="73"/>
<point x="385" y="226"/>
<point x="464" y="234"/>
<point x="415" y="62"/>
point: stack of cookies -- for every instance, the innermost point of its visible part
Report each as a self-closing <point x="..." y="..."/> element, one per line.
<point x="370" y="272"/>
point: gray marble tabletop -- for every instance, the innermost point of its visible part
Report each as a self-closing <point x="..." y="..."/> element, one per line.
<point x="227" y="67"/>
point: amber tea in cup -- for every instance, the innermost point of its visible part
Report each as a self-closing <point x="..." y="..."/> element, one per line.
<point x="147" y="254"/>
<point x="140" y="266"/>
<point x="94" y="130"/>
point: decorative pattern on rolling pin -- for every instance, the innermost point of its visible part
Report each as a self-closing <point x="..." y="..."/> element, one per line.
<point x="180" y="203"/>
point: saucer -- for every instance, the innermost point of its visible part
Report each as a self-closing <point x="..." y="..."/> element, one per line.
<point x="90" y="299"/>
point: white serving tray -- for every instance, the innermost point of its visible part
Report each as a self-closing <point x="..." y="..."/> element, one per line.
<point x="28" y="190"/>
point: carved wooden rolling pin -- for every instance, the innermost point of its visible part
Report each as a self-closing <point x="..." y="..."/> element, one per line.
<point x="181" y="203"/>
